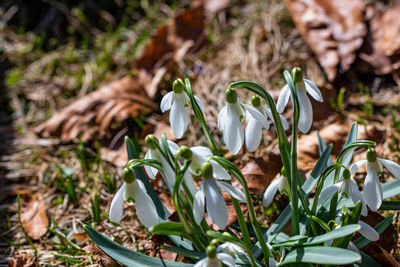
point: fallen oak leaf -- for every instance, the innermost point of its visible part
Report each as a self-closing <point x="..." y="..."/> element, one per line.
<point x="34" y="218"/>
<point x="334" y="30"/>
<point x="381" y="255"/>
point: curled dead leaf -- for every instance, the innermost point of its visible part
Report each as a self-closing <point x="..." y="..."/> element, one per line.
<point x="34" y="218"/>
<point x="334" y="30"/>
<point x="23" y="260"/>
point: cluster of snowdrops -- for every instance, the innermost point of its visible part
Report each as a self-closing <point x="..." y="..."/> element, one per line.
<point x="322" y="225"/>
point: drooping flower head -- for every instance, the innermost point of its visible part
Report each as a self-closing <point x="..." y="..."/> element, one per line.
<point x="303" y="87"/>
<point x="133" y="190"/>
<point x="347" y="188"/>
<point x="177" y="101"/>
<point x="209" y="195"/>
<point x="372" y="187"/>
<point x="215" y="259"/>
<point x="280" y="184"/>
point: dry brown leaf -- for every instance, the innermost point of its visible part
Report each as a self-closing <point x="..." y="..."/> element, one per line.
<point x="260" y="172"/>
<point x="102" y="258"/>
<point x="23" y="260"/>
<point x="381" y="255"/>
<point x="334" y="30"/>
<point x="34" y="218"/>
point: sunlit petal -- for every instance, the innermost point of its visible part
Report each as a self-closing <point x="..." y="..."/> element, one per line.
<point x="202" y="263"/>
<point x="306" y="113"/>
<point x="219" y="172"/>
<point x="199" y="103"/>
<point x="283" y="99"/>
<point x="368" y="232"/>
<point x="313" y="90"/>
<point x="117" y="205"/>
<point x="393" y="167"/>
<point x="173" y="147"/>
<point x="198" y="206"/>
<point x="257" y="115"/>
<point x="233" y="132"/>
<point x="222" y="118"/>
<point x="253" y="134"/>
<point x="145" y="208"/>
<point x="226" y="259"/>
<point x="328" y="192"/>
<point x="372" y="189"/>
<point x="151" y="171"/>
<point x="269" y="194"/>
<point x="215" y="203"/>
<point x="356" y="166"/>
<point x="356" y="196"/>
<point x="166" y="102"/>
<point x="189" y="182"/>
<point x="231" y="190"/>
<point x="178" y="118"/>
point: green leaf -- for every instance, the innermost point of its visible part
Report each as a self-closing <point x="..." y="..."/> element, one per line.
<point x="390" y="205"/>
<point x="197" y="255"/>
<point x="366" y="261"/>
<point x="380" y="227"/>
<point x="308" y="186"/>
<point x="334" y="234"/>
<point x="321" y="255"/>
<point x="169" y="228"/>
<point x="125" y="256"/>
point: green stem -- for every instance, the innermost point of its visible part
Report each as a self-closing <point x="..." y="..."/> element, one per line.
<point x="305" y="205"/>
<point x="242" y="222"/>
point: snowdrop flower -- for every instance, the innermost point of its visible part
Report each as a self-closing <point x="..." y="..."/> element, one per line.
<point x="280" y="184"/>
<point x="215" y="259"/>
<point x="230" y="248"/>
<point x="176" y="101"/>
<point x="253" y="133"/>
<point x="133" y="190"/>
<point x="303" y="86"/>
<point x="347" y="188"/>
<point x="372" y="187"/>
<point x="229" y="121"/>
<point x="215" y="204"/>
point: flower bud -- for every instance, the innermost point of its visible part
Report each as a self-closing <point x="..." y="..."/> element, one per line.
<point x="211" y="252"/>
<point x="255" y="101"/>
<point x="128" y="175"/>
<point x="207" y="170"/>
<point x="371" y="155"/>
<point x="178" y="86"/>
<point x="297" y="74"/>
<point x="283" y="172"/>
<point x="185" y="153"/>
<point x="151" y="141"/>
<point x="231" y="96"/>
<point x="346" y="174"/>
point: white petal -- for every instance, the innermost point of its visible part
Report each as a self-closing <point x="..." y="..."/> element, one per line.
<point x="169" y="174"/>
<point x="219" y="172"/>
<point x="189" y="182"/>
<point x="285" y="123"/>
<point x="145" y="208"/>
<point x="198" y="206"/>
<point x="356" y="166"/>
<point x="226" y="259"/>
<point x="215" y="203"/>
<point x="372" y="189"/>
<point x="393" y="167"/>
<point x="202" y="151"/>
<point x="200" y="155"/>
<point x="283" y="99"/>
<point x="356" y="196"/>
<point x="178" y="118"/>
<point x="257" y="115"/>
<point x="233" y="131"/>
<point x="253" y="134"/>
<point x="269" y="194"/>
<point x="313" y="90"/>
<point x="167" y="101"/>
<point x="173" y="147"/>
<point x="202" y="263"/>
<point x="353" y="247"/>
<point x="328" y="192"/>
<point x="129" y="193"/>
<point x="368" y="232"/>
<point x="238" y="110"/>
<point x="306" y="113"/>
<point x="231" y="190"/>
<point x="117" y="205"/>
<point x="198" y="101"/>
<point x="151" y="171"/>
<point x="222" y="118"/>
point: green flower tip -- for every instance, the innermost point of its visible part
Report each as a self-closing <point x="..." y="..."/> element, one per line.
<point x="207" y="170"/>
<point x="297" y="74"/>
<point x="283" y="172"/>
<point x="128" y="175"/>
<point x="371" y="155"/>
<point x="346" y="174"/>
<point x="178" y="86"/>
<point x="231" y="96"/>
<point x="185" y="153"/>
<point x="151" y="141"/>
<point x="255" y="101"/>
<point x="211" y="252"/>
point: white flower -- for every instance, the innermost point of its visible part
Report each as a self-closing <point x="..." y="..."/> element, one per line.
<point x="229" y="122"/>
<point x="253" y="133"/>
<point x="281" y="183"/>
<point x="347" y="188"/>
<point x="303" y="86"/>
<point x="216" y="261"/>
<point x="145" y="208"/>
<point x="176" y="101"/>
<point x="210" y="190"/>
<point x="372" y="187"/>
<point x="231" y="248"/>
